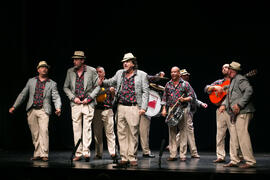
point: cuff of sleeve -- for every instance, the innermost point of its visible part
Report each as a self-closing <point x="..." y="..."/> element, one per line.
<point x="72" y="99"/>
<point x="239" y="106"/>
<point x="89" y="99"/>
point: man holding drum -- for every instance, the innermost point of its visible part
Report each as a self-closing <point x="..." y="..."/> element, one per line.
<point x="177" y="90"/>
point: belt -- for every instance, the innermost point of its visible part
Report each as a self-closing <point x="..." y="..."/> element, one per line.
<point x="103" y="108"/>
<point x="37" y="107"/>
<point x="128" y="104"/>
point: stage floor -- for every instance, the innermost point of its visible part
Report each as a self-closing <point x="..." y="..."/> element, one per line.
<point x="18" y="165"/>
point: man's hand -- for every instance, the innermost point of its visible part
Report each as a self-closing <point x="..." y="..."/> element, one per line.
<point x="112" y="90"/>
<point x="58" y="112"/>
<point x="100" y="81"/>
<point x="85" y="101"/>
<point x="218" y="89"/>
<point x="164" y="112"/>
<point x="186" y="99"/>
<point x="77" y="101"/>
<point x="11" y="110"/>
<point x="236" y="109"/>
<point x="204" y="105"/>
<point x="142" y="112"/>
<point x="221" y="108"/>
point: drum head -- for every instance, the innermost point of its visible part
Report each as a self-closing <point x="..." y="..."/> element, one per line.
<point x="154" y="104"/>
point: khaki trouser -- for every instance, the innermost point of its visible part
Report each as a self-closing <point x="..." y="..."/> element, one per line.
<point x="128" y="131"/>
<point x="222" y="119"/>
<point x="144" y="133"/>
<point x="182" y="126"/>
<point x="224" y="123"/>
<point x="242" y="134"/>
<point x="103" y="118"/>
<point x="190" y="136"/>
<point x="82" y="114"/>
<point x="38" y="121"/>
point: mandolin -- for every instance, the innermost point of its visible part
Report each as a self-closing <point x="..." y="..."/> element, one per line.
<point x="102" y="95"/>
<point x="217" y="97"/>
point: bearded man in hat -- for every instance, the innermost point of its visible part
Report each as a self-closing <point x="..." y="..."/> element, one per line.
<point x="81" y="87"/>
<point x="41" y="91"/>
<point x="132" y="93"/>
<point x="223" y="121"/>
<point x="240" y="108"/>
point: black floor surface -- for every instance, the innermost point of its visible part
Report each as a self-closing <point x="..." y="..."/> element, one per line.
<point x="17" y="165"/>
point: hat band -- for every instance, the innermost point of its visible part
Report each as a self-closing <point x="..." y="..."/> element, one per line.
<point x="78" y="56"/>
<point x="43" y="65"/>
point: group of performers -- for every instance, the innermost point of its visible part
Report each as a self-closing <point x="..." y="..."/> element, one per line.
<point x="93" y="98"/>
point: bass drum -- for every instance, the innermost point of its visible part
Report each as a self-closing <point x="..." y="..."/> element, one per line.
<point x="154" y="104"/>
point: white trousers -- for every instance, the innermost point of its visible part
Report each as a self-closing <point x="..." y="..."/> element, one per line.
<point x="82" y="116"/>
<point x="38" y="121"/>
<point x="103" y="119"/>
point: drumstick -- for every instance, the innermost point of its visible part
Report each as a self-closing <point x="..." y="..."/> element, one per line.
<point x="176" y="102"/>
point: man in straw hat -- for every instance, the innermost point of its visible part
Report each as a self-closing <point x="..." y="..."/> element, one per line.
<point x="223" y="120"/>
<point x="191" y="111"/>
<point x="81" y="87"/>
<point x="41" y="91"/>
<point x="241" y="110"/>
<point x="132" y="93"/>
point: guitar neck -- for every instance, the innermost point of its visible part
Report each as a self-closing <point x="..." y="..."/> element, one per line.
<point x="251" y="73"/>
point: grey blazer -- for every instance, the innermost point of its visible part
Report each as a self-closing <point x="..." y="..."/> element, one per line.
<point x="91" y="87"/>
<point x="50" y="93"/>
<point x="240" y="92"/>
<point x="141" y="86"/>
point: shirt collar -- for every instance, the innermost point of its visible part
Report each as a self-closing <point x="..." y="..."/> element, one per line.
<point x="47" y="80"/>
<point x="180" y="80"/>
<point x="84" y="69"/>
<point x="134" y="72"/>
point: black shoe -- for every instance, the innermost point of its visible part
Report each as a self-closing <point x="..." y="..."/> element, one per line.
<point x="171" y="159"/>
<point x="86" y="158"/>
<point x="97" y="157"/>
<point x="219" y="160"/>
<point x="149" y="156"/>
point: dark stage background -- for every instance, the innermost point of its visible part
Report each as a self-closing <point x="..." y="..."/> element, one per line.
<point x="198" y="36"/>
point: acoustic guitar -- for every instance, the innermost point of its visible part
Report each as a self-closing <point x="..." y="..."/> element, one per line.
<point x="217" y="97"/>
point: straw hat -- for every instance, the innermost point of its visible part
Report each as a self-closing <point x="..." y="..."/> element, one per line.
<point x="184" y="72"/>
<point x="78" y="55"/>
<point x="128" y="56"/>
<point x="43" y="64"/>
<point x="235" y="66"/>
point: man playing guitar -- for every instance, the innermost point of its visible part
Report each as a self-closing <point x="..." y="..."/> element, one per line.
<point x="222" y="118"/>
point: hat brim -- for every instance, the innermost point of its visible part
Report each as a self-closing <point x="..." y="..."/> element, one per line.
<point x="230" y="67"/>
<point x="128" y="59"/>
<point x="47" y="66"/>
<point x="78" y="57"/>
